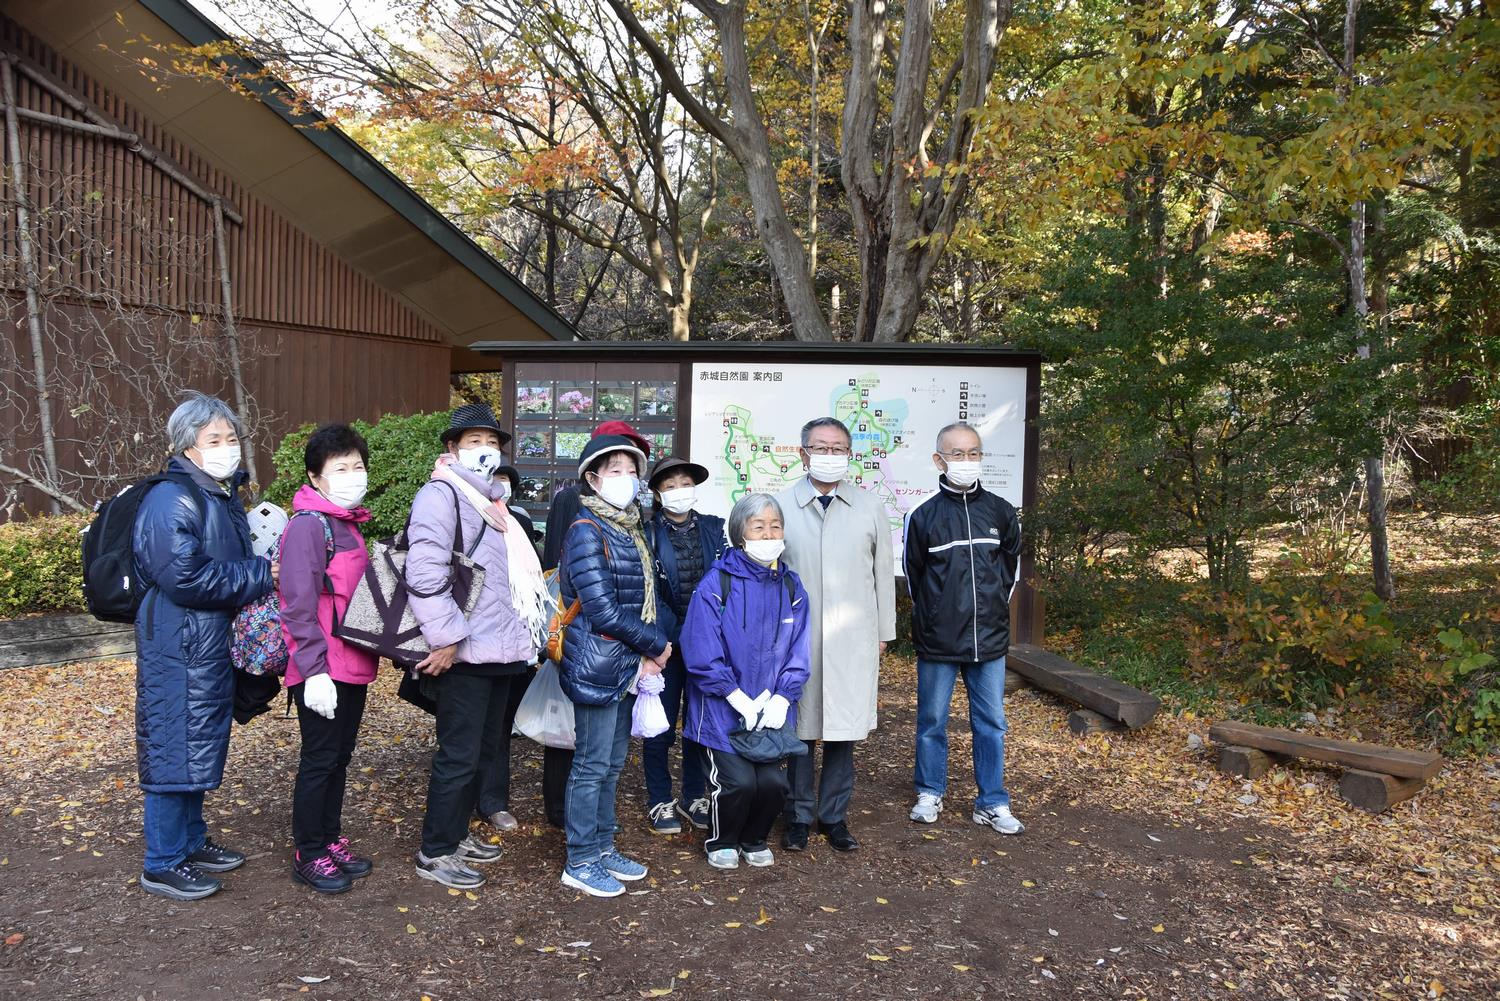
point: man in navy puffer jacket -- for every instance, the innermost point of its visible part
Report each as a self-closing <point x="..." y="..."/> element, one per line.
<point x="192" y="551"/>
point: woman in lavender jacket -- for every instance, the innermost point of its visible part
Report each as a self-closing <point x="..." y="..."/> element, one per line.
<point x="474" y="658"/>
<point x="746" y="650"/>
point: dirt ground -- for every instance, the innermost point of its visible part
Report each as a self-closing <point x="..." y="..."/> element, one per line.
<point x="1143" y="873"/>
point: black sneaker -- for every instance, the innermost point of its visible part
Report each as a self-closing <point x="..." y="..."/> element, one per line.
<point x="322" y="873"/>
<point x="216" y="858"/>
<point x="184" y="881"/>
<point x="794" y="838"/>
<point x="839" y="837"/>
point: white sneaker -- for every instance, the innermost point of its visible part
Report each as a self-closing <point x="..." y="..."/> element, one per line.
<point x="724" y="858"/>
<point x="927" y="809"/>
<point x="1000" y="818"/>
<point x="759" y="859"/>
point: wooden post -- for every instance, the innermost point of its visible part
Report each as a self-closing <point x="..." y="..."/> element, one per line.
<point x="1243" y="762"/>
<point x="33" y="289"/>
<point x="1376" y="791"/>
<point x="226" y="293"/>
<point x="1086" y="721"/>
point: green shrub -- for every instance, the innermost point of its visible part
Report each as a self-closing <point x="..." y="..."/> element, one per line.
<point x="402" y="449"/>
<point x="1307" y="644"/>
<point x="1464" y="689"/>
<point x="41" y="565"/>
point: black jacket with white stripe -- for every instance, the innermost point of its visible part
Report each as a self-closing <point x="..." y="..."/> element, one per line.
<point x="962" y="554"/>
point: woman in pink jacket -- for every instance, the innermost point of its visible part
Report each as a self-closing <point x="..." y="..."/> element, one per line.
<point x="323" y="557"/>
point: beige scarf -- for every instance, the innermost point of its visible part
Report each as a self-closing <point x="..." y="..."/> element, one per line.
<point x="629" y="522"/>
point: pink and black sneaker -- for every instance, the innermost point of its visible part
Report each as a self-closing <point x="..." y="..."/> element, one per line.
<point x="322" y="873"/>
<point x="352" y="865"/>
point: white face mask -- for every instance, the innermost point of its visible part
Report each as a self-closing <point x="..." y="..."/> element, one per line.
<point x="679" y="501"/>
<point x="764" y="550"/>
<point x="617" y="491"/>
<point x="220" y="462"/>
<point x="347" y="489"/>
<point x="828" y="468"/>
<point x="483" y="461"/>
<point x="963" y="475"/>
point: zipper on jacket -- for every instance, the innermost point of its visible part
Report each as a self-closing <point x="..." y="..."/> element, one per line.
<point x="973" y="582"/>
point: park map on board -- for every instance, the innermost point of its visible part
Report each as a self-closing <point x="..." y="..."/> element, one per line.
<point x="747" y="420"/>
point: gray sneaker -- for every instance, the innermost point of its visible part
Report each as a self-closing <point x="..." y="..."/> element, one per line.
<point x="472" y="850"/>
<point x="999" y="818"/>
<point x="449" y="870"/>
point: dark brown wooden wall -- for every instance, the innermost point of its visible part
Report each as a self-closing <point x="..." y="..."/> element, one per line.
<point x="323" y="341"/>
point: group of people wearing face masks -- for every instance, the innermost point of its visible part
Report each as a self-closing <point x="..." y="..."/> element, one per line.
<point x="762" y="635"/>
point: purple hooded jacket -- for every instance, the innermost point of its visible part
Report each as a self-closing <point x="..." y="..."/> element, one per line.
<point x="754" y="639"/>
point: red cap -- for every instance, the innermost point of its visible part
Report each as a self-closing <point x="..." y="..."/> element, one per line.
<point x="624" y="429"/>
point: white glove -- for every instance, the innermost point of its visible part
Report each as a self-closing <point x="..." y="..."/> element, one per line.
<point x="319" y="695"/>
<point x="774" y="716"/>
<point x="748" y="708"/>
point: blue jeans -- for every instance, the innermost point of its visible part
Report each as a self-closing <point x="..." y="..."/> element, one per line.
<point x="603" y="735"/>
<point x="654" y="749"/>
<point x="985" y="683"/>
<point x="174" y="828"/>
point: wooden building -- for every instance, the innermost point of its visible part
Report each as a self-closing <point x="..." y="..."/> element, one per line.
<point x="176" y="229"/>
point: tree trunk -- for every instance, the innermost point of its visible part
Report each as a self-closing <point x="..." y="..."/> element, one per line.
<point x="1380" y="553"/>
<point x="232" y="335"/>
<point x="33" y="289"/>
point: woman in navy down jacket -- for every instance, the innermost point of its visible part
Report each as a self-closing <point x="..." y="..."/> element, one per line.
<point x="192" y="551"/>
<point x="608" y="566"/>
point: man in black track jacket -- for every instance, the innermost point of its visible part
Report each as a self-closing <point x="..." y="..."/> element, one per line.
<point x="963" y="549"/>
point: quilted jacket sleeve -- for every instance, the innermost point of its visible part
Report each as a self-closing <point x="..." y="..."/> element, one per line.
<point x="169" y="549"/>
<point x="593" y="582"/>
<point x="429" y="557"/>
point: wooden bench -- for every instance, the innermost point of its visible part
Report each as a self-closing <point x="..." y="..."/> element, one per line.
<point x="61" y="639"/>
<point x="1376" y="777"/>
<point x="1107" y="704"/>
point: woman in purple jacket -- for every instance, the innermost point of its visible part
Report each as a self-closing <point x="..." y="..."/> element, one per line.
<point x="745" y="644"/>
<point x="323" y="558"/>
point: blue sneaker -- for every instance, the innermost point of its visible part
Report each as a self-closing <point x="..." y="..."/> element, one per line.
<point x="663" y="818"/>
<point x="696" y="813"/>
<point x="623" y="868"/>
<point x="592" y="879"/>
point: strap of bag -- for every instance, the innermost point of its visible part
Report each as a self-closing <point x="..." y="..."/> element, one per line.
<point x="786" y="580"/>
<point x="458" y="542"/>
<point x="327" y="559"/>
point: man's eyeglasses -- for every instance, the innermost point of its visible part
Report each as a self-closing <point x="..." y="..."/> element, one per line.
<point x="828" y="449"/>
<point x="973" y="455"/>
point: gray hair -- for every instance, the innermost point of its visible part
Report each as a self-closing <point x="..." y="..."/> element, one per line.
<point x="956" y="426"/>
<point x="196" y="412"/>
<point x="825" y="422"/>
<point x="748" y="507"/>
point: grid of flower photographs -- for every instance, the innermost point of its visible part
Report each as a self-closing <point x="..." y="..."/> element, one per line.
<point x="556" y="417"/>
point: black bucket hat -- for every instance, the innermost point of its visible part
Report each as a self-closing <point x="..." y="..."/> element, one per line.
<point x="470" y="416"/>
<point x="669" y="463"/>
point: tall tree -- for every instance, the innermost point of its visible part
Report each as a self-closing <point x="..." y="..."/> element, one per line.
<point x="907" y="136"/>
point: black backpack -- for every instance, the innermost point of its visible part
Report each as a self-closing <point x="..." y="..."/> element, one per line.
<point x="110" y="587"/>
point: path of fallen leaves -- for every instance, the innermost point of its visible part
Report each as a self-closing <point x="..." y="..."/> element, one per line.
<point x="1143" y="873"/>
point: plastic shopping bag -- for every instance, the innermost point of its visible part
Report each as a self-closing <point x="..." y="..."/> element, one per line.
<point x="649" y="717"/>
<point x="545" y="713"/>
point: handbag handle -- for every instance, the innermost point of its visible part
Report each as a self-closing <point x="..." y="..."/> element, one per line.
<point x="458" y="543"/>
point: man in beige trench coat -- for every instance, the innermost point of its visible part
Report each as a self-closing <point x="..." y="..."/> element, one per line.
<point x="838" y="539"/>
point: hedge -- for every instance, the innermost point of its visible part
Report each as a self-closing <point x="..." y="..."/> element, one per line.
<point x="402" y="450"/>
<point x="41" y="565"/>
